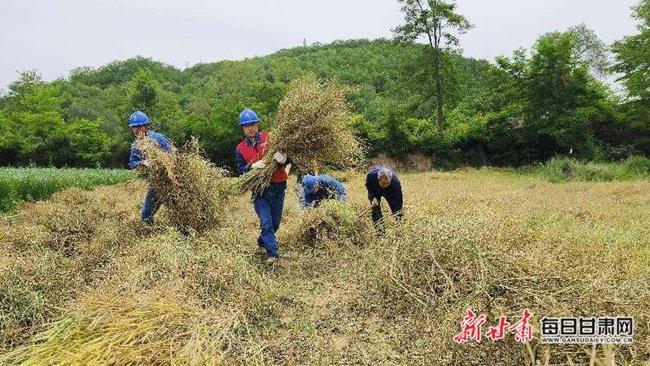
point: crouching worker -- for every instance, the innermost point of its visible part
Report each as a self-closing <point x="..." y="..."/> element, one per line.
<point x="381" y="181"/>
<point x="139" y="123"/>
<point x="270" y="202"/>
<point x="317" y="188"/>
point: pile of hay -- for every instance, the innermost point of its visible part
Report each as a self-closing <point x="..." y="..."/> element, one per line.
<point x="438" y="266"/>
<point x="167" y="300"/>
<point x="53" y="249"/>
<point x="124" y="330"/>
<point x="194" y="190"/>
<point x="311" y="129"/>
<point x="331" y="224"/>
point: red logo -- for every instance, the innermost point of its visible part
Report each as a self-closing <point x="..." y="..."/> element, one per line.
<point x="471" y="328"/>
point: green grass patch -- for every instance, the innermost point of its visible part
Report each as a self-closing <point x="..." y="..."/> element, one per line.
<point x="562" y="169"/>
<point x="32" y="184"/>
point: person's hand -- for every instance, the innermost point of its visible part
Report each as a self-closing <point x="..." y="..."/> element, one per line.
<point x="258" y="165"/>
<point x="280" y="157"/>
<point x="145" y="163"/>
<point x="374" y="202"/>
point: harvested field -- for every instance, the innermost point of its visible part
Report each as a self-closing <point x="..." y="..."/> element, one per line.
<point x="80" y="283"/>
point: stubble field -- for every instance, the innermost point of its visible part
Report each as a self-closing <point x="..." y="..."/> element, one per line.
<point x="82" y="283"/>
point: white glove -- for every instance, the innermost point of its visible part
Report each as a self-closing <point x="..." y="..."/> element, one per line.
<point x="374" y="202"/>
<point x="258" y="165"/>
<point x="145" y="163"/>
<point x="280" y="157"/>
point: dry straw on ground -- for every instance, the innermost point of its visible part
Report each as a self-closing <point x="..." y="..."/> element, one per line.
<point x="106" y="329"/>
<point x="332" y="224"/>
<point x="195" y="191"/>
<point x="311" y="128"/>
<point x="53" y="249"/>
<point x="492" y="241"/>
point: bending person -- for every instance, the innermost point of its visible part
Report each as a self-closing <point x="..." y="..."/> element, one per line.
<point x="317" y="188"/>
<point x="381" y="181"/>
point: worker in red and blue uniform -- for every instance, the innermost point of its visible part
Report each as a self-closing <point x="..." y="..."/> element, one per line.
<point x="381" y="181"/>
<point x="270" y="202"/>
<point x="317" y="188"/>
<point x="140" y="124"/>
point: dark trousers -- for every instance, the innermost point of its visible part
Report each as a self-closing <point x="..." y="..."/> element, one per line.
<point x="377" y="217"/>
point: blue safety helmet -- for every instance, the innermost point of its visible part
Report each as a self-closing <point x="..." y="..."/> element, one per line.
<point x="138" y="118"/>
<point x="247" y="116"/>
<point x="309" y="181"/>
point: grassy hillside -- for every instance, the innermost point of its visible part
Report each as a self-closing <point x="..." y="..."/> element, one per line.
<point x="80" y="283"/>
<point x="497" y="114"/>
<point x="86" y="113"/>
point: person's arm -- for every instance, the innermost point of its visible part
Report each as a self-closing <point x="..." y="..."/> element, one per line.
<point x="164" y="142"/>
<point x="339" y="188"/>
<point x="372" y="186"/>
<point x="241" y="163"/>
<point x="396" y="192"/>
<point x="135" y="158"/>
<point x="333" y="185"/>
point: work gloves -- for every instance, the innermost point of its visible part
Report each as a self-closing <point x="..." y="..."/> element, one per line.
<point x="145" y="163"/>
<point x="374" y="202"/>
<point x="280" y="157"/>
<point x="258" y="165"/>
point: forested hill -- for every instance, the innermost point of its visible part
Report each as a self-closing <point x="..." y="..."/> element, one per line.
<point x="493" y="113"/>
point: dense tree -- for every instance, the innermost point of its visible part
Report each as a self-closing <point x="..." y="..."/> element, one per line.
<point x="633" y="55"/>
<point x="435" y="19"/>
<point x="633" y="64"/>
<point x="521" y="110"/>
<point x="143" y="91"/>
<point x="553" y="98"/>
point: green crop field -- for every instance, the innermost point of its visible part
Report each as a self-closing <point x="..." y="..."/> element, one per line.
<point x="31" y="184"/>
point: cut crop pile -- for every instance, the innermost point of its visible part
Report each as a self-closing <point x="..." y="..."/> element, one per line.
<point x="332" y="223"/>
<point x="195" y="191"/>
<point x="54" y="248"/>
<point x="311" y="128"/>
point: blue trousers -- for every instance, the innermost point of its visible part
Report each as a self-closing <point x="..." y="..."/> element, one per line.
<point x="268" y="206"/>
<point x="150" y="205"/>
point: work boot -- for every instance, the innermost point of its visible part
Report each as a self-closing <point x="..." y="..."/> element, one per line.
<point x="260" y="247"/>
<point x="271" y="260"/>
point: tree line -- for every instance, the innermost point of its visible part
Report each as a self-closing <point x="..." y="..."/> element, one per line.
<point x="407" y="98"/>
